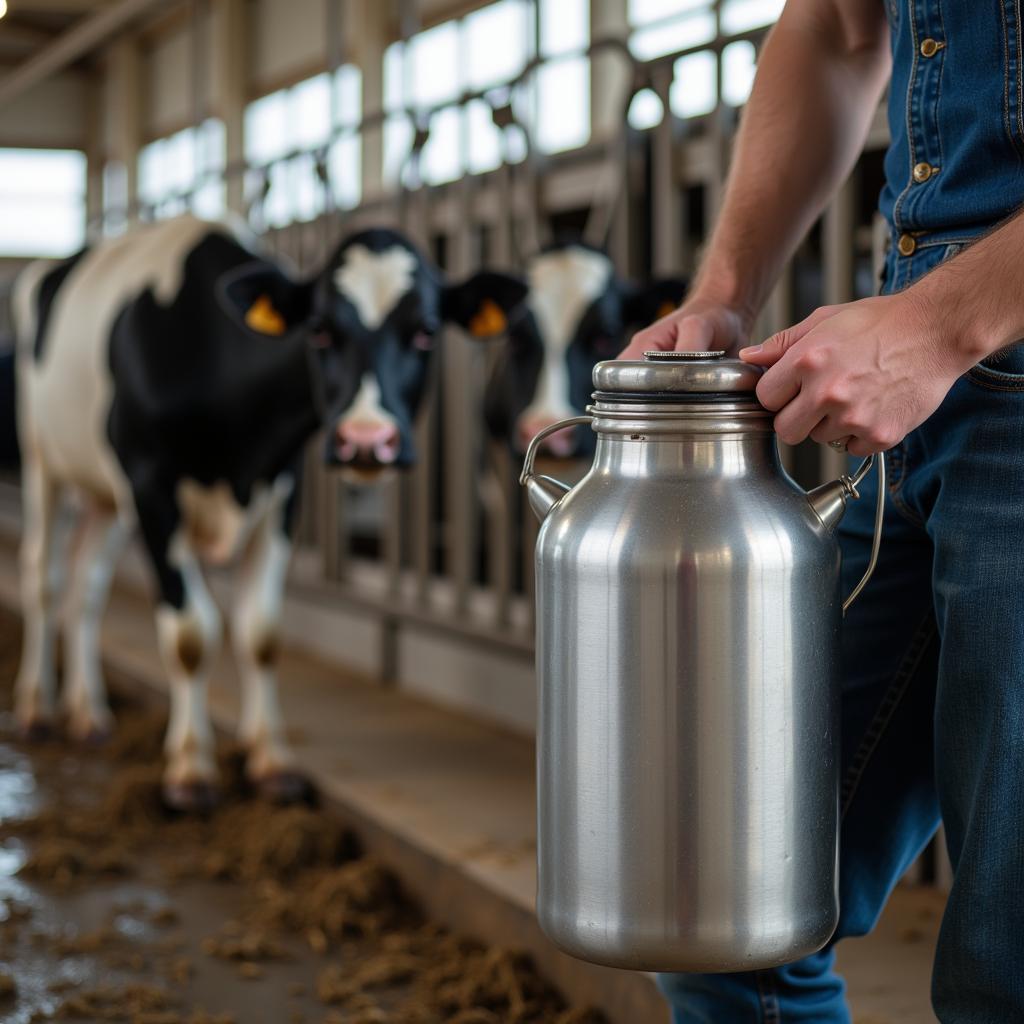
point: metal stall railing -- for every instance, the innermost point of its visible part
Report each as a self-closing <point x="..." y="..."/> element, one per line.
<point x="448" y="544"/>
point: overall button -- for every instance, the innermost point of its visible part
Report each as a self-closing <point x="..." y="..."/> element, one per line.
<point x="923" y="171"/>
<point x="930" y="47"/>
<point x="907" y="245"/>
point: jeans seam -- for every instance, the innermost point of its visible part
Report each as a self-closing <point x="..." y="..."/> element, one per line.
<point x="771" y="1012"/>
<point x="886" y="709"/>
<point x="1020" y="82"/>
<point x="940" y="64"/>
<point x="902" y="197"/>
<point x="1009" y="122"/>
<point x="979" y="376"/>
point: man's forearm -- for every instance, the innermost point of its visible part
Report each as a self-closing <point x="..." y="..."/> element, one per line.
<point x="977" y="299"/>
<point x="818" y="83"/>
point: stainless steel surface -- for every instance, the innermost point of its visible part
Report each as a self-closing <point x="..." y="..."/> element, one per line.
<point x="688" y="618"/>
<point x="698" y="373"/>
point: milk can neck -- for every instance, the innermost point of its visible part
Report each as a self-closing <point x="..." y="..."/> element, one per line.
<point x="693" y="438"/>
<point x="693" y="456"/>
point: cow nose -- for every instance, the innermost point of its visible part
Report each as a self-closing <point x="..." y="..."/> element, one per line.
<point x="562" y="443"/>
<point x="368" y="441"/>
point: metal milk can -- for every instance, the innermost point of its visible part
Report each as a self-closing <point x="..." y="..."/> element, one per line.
<point x="688" y="620"/>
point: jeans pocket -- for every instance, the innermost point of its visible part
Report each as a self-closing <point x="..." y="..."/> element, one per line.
<point x="1013" y="73"/>
<point x="1003" y="371"/>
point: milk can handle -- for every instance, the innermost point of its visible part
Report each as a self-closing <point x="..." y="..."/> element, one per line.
<point x="533" y="447"/>
<point x="849" y="482"/>
<point x="851" y="486"/>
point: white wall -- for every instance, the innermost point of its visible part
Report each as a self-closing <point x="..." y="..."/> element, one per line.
<point x="167" y="82"/>
<point x="54" y="113"/>
<point x="287" y="41"/>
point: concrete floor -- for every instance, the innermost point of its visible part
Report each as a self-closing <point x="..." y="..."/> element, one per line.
<point x="452" y="800"/>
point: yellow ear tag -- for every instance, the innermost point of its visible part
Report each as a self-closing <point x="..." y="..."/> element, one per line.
<point x="264" y="318"/>
<point x="665" y="308"/>
<point x="488" y="321"/>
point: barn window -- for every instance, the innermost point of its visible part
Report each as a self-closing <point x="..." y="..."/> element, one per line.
<point x="742" y="15"/>
<point x="694" y="84"/>
<point x="664" y="26"/>
<point x="209" y="197"/>
<point x="738" y="65"/>
<point x="483" y="52"/>
<point x="115" y="197"/>
<point x="646" y="110"/>
<point x="563" y="83"/>
<point x="286" y="132"/>
<point x="661" y="27"/>
<point x="42" y="205"/>
<point x="184" y="172"/>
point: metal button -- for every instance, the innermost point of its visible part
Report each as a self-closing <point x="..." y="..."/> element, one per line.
<point x="923" y="171"/>
<point x="907" y="245"/>
<point x="930" y="47"/>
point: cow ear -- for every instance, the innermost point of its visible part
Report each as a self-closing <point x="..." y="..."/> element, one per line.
<point x="645" y="303"/>
<point x="483" y="303"/>
<point x="259" y="296"/>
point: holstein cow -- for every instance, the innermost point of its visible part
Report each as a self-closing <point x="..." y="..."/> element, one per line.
<point x="576" y="314"/>
<point x="171" y="377"/>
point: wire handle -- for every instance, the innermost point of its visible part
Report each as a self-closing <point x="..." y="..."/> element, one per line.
<point x="850" y="483"/>
<point x="534" y="446"/>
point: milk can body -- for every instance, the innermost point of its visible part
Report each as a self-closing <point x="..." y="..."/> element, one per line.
<point x="688" y="621"/>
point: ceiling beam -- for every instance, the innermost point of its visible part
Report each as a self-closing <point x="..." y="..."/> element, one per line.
<point x="56" y="6"/>
<point x="69" y="46"/>
<point x="14" y="34"/>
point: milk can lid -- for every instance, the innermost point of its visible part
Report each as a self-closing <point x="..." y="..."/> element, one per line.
<point x="666" y="373"/>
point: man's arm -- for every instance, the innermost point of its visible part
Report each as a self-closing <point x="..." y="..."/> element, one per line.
<point x="819" y="80"/>
<point x="874" y="370"/>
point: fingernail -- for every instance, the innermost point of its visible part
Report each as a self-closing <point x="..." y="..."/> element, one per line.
<point x="753" y="349"/>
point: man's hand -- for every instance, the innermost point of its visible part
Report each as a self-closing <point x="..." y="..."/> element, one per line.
<point x="870" y="371"/>
<point x="699" y="325"/>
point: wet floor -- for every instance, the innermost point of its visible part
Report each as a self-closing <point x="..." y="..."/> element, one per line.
<point x="137" y="942"/>
<point x="112" y="909"/>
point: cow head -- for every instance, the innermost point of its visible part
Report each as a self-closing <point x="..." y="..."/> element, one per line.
<point x="577" y="313"/>
<point x="372" y="314"/>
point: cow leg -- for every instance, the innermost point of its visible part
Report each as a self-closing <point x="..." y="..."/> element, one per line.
<point x="84" y="698"/>
<point x="36" y="685"/>
<point x="188" y="631"/>
<point x="189" y="638"/>
<point x="255" y="634"/>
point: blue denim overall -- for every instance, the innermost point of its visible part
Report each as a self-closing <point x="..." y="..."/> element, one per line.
<point x="933" y="680"/>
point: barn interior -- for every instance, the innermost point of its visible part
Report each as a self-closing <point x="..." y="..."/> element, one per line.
<point x="483" y="131"/>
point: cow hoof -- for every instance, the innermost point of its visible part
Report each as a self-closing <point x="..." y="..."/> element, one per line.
<point x="37" y="730"/>
<point x="90" y="732"/>
<point x="196" y="796"/>
<point x="285" y="786"/>
<point x="93" y="737"/>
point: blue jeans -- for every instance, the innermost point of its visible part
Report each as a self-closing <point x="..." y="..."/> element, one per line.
<point x="933" y="718"/>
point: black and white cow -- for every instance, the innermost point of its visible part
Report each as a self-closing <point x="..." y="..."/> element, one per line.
<point x="577" y="313"/>
<point x="172" y="377"/>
